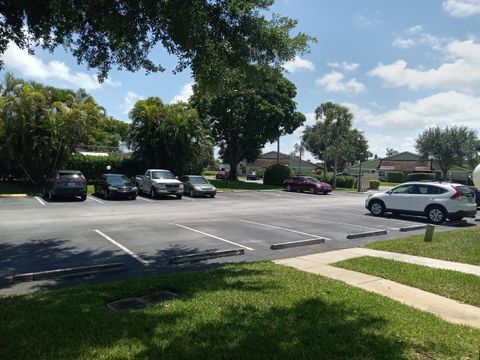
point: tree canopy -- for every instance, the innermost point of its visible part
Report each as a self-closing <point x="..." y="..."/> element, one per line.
<point x="169" y="136"/>
<point x="332" y="140"/>
<point x="206" y="35"/>
<point x="456" y="145"/>
<point x="250" y="109"/>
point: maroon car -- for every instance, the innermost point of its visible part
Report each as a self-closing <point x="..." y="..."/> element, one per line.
<point x="306" y="183"/>
<point x="221" y="174"/>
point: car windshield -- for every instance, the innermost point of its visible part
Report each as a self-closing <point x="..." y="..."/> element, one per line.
<point x="118" y="180"/>
<point x="198" y="180"/>
<point x="311" y="179"/>
<point x="162" y="175"/>
<point x="70" y="175"/>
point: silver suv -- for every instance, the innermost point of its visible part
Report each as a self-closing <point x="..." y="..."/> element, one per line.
<point x="435" y="200"/>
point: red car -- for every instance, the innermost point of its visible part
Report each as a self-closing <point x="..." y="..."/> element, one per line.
<point x="221" y="175"/>
<point x="306" y="183"/>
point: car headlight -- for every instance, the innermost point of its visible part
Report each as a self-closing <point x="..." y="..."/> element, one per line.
<point x="134" y="188"/>
<point x="161" y="186"/>
<point x="112" y="188"/>
<point x="214" y="188"/>
<point x="180" y="186"/>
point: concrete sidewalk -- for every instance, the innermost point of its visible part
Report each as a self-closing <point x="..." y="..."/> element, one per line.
<point x="445" y="308"/>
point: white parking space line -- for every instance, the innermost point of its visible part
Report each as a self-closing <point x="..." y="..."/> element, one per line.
<point x="40" y="200"/>
<point x="144" y="199"/>
<point x="129" y="252"/>
<point x="282" y="228"/>
<point x="335" y="222"/>
<point x="92" y="198"/>
<point x="214" y="237"/>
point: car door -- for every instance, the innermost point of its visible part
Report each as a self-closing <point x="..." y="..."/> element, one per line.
<point x="186" y="184"/>
<point x="422" y="196"/>
<point x="399" y="198"/>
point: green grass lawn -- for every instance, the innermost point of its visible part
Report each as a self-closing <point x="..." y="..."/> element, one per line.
<point x="90" y="189"/>
<point x="16" y="188"/>
<point x="246" y="311"/>
<point x="241" y="185"/>
<point x="387" y="183"/>
<point x="452" y="284"/>
<point x="456" y="245"/>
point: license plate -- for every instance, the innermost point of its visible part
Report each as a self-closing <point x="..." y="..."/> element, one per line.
<point x="71" y="184"/>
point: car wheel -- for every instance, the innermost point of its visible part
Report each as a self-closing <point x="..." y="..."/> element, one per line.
<point x="153" y="193"/>
<point x="179" y="197"/>
<point x="83" y="197"/>
<point x="312" y="190"/>
<point x="436" y="214"/>
<point x="191" y="193"/>
<point x="289" y="188"/>
<point x="325" y="193"/>
<point x="377" y="208"/>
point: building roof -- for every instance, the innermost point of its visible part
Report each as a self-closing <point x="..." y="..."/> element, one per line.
<point x="273" y="155"/>
<point x="366" y="165"/>
<point x="403" y="156"/>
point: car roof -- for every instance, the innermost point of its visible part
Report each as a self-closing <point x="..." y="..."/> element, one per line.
<point x="68" y="171"/>
<point x="113" y="174"/>
<point x="193" y="176"/>
<point x="446" y="183"/>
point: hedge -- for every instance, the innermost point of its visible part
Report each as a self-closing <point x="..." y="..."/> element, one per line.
<point x="420" y="177"/>
<point x="374" y="184"/>
<point x="345" y="181"/>
<point x="276" y="174"/>
<point x="395" y="177"/>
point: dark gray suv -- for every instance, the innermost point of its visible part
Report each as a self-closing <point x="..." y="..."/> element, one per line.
<point x="65" y="183"/>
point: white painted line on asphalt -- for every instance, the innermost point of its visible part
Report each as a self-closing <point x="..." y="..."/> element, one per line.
<point x="92" y="198"/>
<point x="40" y="200"/>
<point x="282" y="228"/>
<point x="335" y="222"/>
<point x="129" y="252"/>
<point x="144" y="199"/>
<point x="214" y="237"/>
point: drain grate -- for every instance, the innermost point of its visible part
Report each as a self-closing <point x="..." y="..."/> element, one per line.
<point x="133" y="304"/>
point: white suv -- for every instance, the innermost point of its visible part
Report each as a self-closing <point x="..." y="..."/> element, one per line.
<point x="435" y="200"/>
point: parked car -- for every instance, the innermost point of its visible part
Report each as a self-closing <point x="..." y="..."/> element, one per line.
<point x="477" y="197"/>
<point x="221" y="174"/>
<point x="65" y="183"/>
<point x="115" y="186"/>
<point x="196" y="185"/>
<point x="306" y="183"/>
<point x="158" y="182"/>
<point x="253" y="176"/>
<point x="435" y="200"/>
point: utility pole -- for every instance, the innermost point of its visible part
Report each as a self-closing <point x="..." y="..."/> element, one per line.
<point x="278" y="150"/>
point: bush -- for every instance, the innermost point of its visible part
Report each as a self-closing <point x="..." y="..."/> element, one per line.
<point x="209" y="173"/>
<point x="395" y="177"/>
<point x="420" y="177"/>
<point x="345" y="181"/>
<point x="277" y="174"/>
<point x="374" y="184"/>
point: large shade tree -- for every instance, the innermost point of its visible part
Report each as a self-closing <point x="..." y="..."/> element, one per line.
<point x="169" y="136"/>
<point x="250" y="108"/>
<point x="332" y="140"/>
<point x="455" y="145"/>
<point x="206" y="35"/>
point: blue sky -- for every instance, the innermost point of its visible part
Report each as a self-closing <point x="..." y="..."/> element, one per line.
<point x="400" y="66"/>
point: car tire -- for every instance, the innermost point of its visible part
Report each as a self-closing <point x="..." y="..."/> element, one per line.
<point x="179" y="197"/>
<point x="325" y="193"/>
<point x="191" y="193"/>
<point x="153" y="193"/>
<point x="312" y="190"/>
<point x="83" y="197"/>
<point x="377" y="208"/>
<point x="289" y="188"/>
<point x="436" y="214"/>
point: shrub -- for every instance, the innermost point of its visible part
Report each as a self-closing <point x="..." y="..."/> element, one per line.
<point x="374" y="184"/>
<point x="395" y="177"/>
<point x="277" y="174"/>
<point x="209" y="173"/>
<point x="345" y="181"/>
<point x="420" y="177"/>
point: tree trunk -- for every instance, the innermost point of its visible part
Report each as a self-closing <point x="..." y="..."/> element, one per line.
<point x="232" y="174"/>
<point x="335" y="168"/>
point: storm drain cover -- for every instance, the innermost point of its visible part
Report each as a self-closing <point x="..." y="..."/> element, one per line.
<point x="159" y="297"/>
<point x="133" y="304"/>
<point x="127" y="304"/>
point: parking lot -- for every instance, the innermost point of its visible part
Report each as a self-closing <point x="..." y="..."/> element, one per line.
<point x="145" y="234"/>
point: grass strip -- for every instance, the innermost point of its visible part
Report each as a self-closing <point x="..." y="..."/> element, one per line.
<point x="242" y="311"/>
<point x="452" y="284"/>
<point x="456" y="245"/>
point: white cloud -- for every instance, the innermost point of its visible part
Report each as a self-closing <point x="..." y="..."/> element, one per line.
<point x="344" y="65"/>
<point x="335" y="82"/>
<point x="33" y="68"/>
<point x="184" y="94"/>
<point x="415" y="36"/>
<point x="462" y="8"/>
<point x="441" y="109"/>
<point x="298" y="64"/>
<point x="461" y="73"/>
<point x="129" y="101"/>
<point x="403" y="43"/>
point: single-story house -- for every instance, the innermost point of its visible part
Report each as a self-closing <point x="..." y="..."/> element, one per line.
<point x="270" y="158"/>
<point x="407" y="162"/>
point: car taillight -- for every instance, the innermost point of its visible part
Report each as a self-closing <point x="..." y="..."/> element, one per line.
<point x="457" y="195"/>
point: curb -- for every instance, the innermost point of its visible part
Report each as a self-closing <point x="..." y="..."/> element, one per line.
<point x="412" y="228"/>
<point x="78" y="271"/>
<point x="205" y="256"/>
<point x="291" y="244"/>
<point x="367" y="234"/>
<point x="12" y="195"/>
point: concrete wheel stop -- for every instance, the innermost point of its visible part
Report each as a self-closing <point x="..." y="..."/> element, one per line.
<point x="133" y="304"/>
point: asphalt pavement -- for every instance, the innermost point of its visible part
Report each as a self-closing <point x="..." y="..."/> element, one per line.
<point x="145" y="234"/>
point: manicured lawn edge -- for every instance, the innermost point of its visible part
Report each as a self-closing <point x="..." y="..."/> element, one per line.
<point x="455" y="285"/>
<point x="456" y="245"/>
<point x="254" y="311"/>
